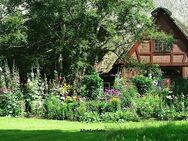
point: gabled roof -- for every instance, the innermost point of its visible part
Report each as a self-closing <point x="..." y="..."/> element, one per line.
<point x="110" y="58"/>
<point x="178" y="23"/>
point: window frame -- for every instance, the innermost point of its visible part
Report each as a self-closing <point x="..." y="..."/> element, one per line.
<point x="161" y="46"/>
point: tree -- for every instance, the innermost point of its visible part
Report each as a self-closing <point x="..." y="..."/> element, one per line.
<point x="78" y="31"/>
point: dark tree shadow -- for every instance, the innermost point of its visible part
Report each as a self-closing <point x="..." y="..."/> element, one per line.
<point x="170" y="132"/>
<point x="48" y="135"/>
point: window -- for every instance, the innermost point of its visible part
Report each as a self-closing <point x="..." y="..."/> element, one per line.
<point x="162" y="46"/>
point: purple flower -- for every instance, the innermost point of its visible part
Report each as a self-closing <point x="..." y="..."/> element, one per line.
<point x="112" y="92"/>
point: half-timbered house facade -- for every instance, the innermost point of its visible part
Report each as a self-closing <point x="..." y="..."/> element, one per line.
<point x="172" y="58"/>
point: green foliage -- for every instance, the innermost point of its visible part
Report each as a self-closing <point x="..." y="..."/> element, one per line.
<point x="119" y="84"/>
<point x="96" y="106"/>
<point x="36" y="91"/>
<point x="119" y="116"/>
<point x="55" y="109"/>
<point x="12" y="104"/>
<point x="37" y="108"/>
<point x="11" y="96"/>
<point x="13" y="30"/>
<point x="143" y="84"/>
<point x="70" y="111"/>
<point x="130" y="115"/>
<point x="167" y="113"/>
<point x="81" y="110"/>
<point x="180" y="86"/>
<point x="181" y="116"/>
<point x="112" y="117"/>
<point x="90" y="117"/>
<point x="148" y="106"/>
<point x="79" y="31"/>
<point x="91" y="86"/>
<point x="114" y="104"/>
<point x="145" y="68"/>
<point x="129" y="96"/>
<point x="153" y="33"/>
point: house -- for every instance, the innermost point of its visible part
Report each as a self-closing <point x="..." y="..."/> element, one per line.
<point x="172" y="59"/>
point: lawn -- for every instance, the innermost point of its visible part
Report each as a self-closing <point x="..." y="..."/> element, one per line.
<point x="18" y="129"/>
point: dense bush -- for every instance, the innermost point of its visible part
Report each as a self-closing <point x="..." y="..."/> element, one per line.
<point x="119" y="84"/>
<point x="11" y="95"/>
<point x="148" y="106"/>
<point x="129" y="96"/>
<point x="37" y="108"/>
<point x="57" y="99"/>
<point x="112" y="116"/>
<point x="90" y="117"/>
<point x="120" y="116"/>
<point x="167" y="113"/>
<point x="143" y="84"/>
<point x="114" y="104"/>
<point x="130" y="115"/>
<point x="180" y="86"/>
<point x="35" y="94"/>
<point x="12" y="104"/>
<point x="181" y="116"/>
<point x="91" y="86"/>
<point x="71" y="110"/>
<point x="55" y="109"/>
<point x="81" y="110"/>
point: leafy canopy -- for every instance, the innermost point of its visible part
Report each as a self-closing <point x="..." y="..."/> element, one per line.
<point x="70" y="35"/>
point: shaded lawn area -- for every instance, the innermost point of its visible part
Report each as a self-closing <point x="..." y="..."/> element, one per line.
<point x="18" y="129"/>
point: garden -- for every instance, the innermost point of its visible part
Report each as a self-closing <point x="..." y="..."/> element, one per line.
<point x="51" y="89"/>
<point x="88" y="101"/>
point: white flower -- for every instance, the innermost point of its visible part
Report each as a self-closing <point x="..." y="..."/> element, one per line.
<point x="169" y="97"/>
<point x="32" y="74"/>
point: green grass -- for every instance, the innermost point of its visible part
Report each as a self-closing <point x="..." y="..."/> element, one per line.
<point x="18" y="129"/>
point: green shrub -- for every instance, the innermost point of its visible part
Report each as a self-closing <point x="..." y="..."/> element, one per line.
<point x="55" y="109"/>
<point x="114" y="104"/>
<point x="167" y="113"/>
<point x="70" y="111"/>
<point x="11" y="96"/>
<point x="119" y="116"/>
<point x="130" y="115"/>
<point x="119" y="84"/>
<point x="37" y="108"/>
<point x="179" y="103"/>
<point x="1" y="112"/>
<point x="12" y="104"/>
<point x="181" y="116"/>
<point x="148" y="106"/>
<point x="112" y="117"/>
<point x="92" y="106"/>
<point x="91" y="86"/>
<point x="100" y="107"/>
<point x="97" y="106"/>
<point x="81" y="110"/>
<point x="129" y="96"/>
<point x="143" y="84"/>
<point x="180" y="86"/>
<point x="90" y="117"/>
